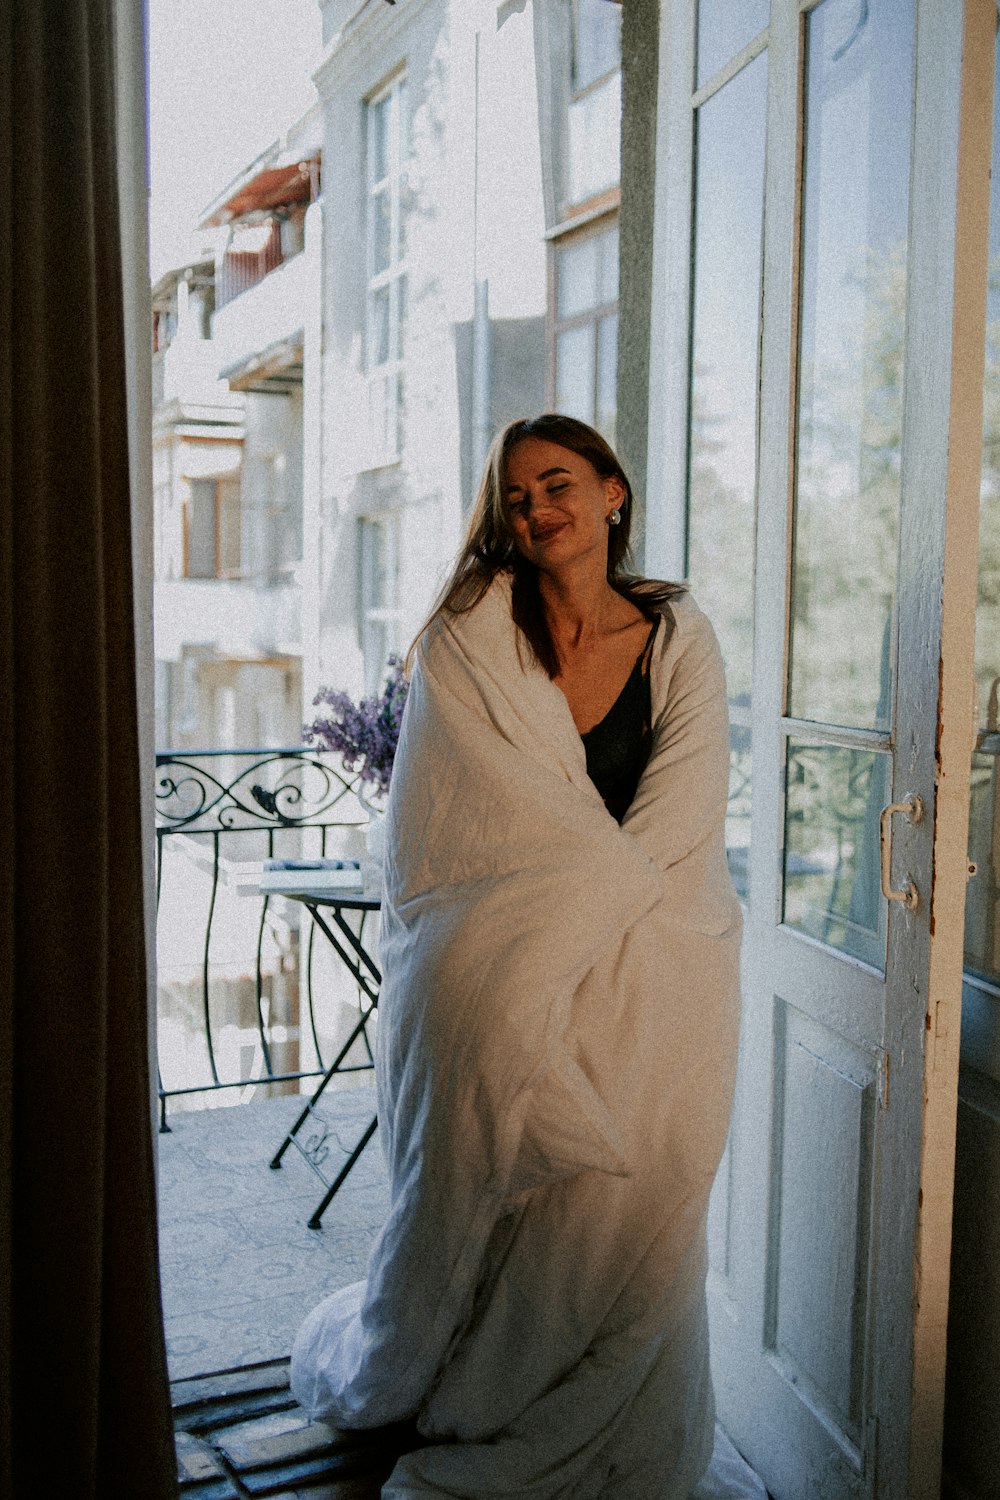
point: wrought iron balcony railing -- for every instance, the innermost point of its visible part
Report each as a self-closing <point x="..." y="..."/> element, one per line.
<point x="236" y="1001"/>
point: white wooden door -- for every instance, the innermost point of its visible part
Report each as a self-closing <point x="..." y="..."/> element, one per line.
<point x="820" y="246"/>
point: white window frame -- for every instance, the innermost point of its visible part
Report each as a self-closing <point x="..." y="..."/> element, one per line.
<point x="385" y="378"/>
<point x="222" y="568"/>
<point x="592" y="165"/>
<point x="589" y="317"/>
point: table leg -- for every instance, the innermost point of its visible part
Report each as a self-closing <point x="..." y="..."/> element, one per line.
<point x="358" y="1030"/>
<point x="314" y="1222"/>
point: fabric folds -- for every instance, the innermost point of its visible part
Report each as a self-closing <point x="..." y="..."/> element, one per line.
<point x="555" y="1061"/>
<point x="84" y="1394"/>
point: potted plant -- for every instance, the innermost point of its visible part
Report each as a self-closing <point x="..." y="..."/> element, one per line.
<point x="365" y="735"/>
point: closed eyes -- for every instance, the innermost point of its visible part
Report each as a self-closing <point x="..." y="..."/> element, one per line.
<point x="518" y="507"/>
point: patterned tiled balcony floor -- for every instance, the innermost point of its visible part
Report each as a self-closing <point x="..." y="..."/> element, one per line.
<point x="239" y="1266"/>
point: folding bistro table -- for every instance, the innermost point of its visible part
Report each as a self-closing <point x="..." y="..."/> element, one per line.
<point x="329" y="909"/>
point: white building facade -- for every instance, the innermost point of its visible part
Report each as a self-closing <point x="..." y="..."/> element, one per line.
<point x="364" y="336"/>
<point x="470" y="277"/>
<point x="234" y="334"/>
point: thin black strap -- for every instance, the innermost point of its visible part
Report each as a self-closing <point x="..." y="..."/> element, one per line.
<point x="646" y="655"/>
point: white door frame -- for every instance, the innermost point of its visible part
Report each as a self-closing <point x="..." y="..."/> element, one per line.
<point x="947" y="297"/>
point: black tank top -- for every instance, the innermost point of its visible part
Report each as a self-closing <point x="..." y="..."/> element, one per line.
<point x="618" y="747"/>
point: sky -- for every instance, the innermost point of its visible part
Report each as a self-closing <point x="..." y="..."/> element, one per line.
<point x="225" y="78"/>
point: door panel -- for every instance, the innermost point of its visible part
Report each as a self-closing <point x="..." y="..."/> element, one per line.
<point x="857" y="113"/>
<point x="819" y="1231"/>
<point x="846" y="678"/>
<point x="722" y="440"/>
<point x="822" y="722"/>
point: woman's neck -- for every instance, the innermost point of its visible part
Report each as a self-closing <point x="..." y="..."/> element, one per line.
<point x="579" y="608"/>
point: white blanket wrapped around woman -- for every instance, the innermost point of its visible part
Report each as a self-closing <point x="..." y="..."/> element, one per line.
<point x="555" y="1061"/>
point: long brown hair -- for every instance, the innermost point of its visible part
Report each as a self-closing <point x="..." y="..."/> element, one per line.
<point x="490" y="549"/>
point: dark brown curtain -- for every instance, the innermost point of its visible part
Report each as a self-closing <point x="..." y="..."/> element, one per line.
<point x="84" y="1408"/>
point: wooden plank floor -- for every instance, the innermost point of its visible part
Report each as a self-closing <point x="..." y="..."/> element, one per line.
<point x="241" y="1435"/>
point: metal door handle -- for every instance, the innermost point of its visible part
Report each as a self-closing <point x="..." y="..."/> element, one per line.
<point x="913" y="810"/>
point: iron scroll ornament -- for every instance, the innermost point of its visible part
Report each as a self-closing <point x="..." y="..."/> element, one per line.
<point x="280" y="788"/>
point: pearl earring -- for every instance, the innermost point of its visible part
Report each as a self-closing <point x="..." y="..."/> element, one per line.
<point x="615" y="517"/>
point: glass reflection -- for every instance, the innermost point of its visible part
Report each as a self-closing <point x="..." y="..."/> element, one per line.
<point x="722" y="440"/>
<point x="852" y="291"/>
<point x="607" y="365"/>
<point x="578" y="276"/>
<point x="575" y="372"/>
<point x="832" y="887"/>
<point x="738" y="808"/>
<point x="724" y="29"/>
<point x="722" y="461"/>
<point x="403" y="105"/>
<point x="594" y="139"/>
<point x="379" y="118"/>
<point x="982" y="902"/>
<point x="380" y="232"/>
<point x="597" y="41"/>
<point x="378" y="327"/>
<point x="608" y="243"/>
<point x="588" y="273"/>
<point x="401" y="318"/>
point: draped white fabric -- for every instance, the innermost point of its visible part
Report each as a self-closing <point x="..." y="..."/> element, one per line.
<point x="556" y="1052"/>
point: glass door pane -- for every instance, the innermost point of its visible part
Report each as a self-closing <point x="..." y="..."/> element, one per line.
<point x="853" y="283"/>
<point x="722" y="439"/>
<point x="832" y="876"/>
<point x="982" y="906"/>
<point x="575" y="370"/>
<point x="855" y="206"/>
<point x="724" y="30"/>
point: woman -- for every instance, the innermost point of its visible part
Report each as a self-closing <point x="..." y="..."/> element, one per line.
<point x="557" y="1026"/>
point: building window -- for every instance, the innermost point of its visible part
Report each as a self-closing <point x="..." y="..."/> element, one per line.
<point x="388" y="149"/>
<point x="593" y="164"/>
<point x="282" y="496"/>
<point x="212" y="529"/>
<point x="381" y="613"/>
<point x="586" y="328"/>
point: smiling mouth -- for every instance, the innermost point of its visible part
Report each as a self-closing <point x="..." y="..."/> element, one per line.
<point x="543" y="533"/>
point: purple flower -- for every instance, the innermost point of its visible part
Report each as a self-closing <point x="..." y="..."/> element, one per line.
<point x="364" y="734"/>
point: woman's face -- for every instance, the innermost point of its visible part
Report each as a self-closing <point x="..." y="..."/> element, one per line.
<point x="558" y="505"/>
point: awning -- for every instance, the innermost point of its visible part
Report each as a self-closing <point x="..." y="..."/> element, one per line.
<point x="269" y="188"/>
